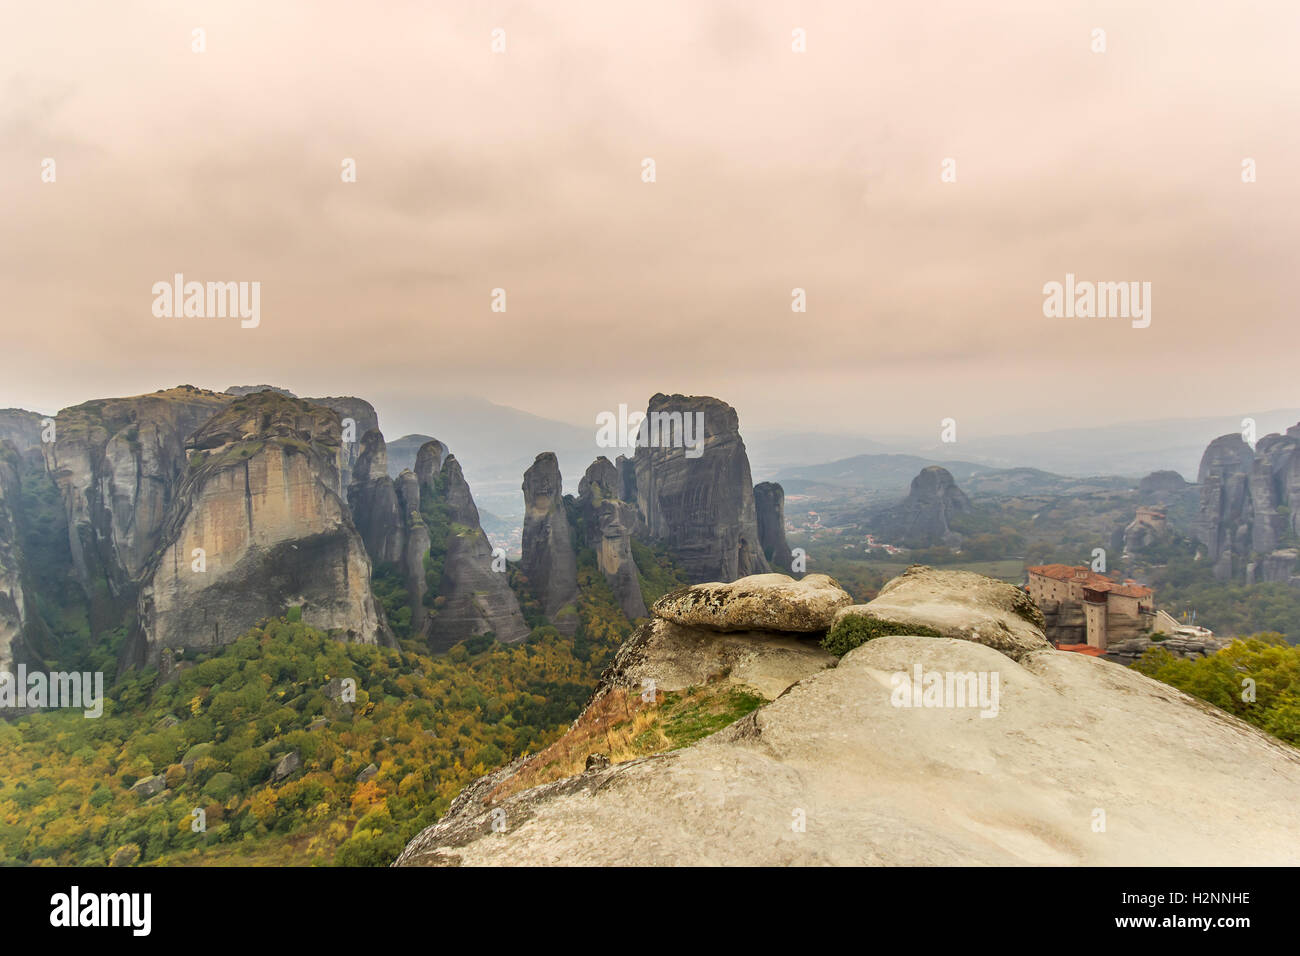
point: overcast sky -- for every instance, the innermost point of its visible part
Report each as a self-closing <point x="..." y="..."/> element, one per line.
<point x="523" y="170"/>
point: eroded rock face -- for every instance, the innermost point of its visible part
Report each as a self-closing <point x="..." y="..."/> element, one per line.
<point x="549" y="561"/>
<point x="473" y="598"/>
<point x="883" y="784"/>
<point x="428" y="465"/>
<point x="372" y="496"/>
<point x="961" y="605"/>
<point x="699" y="501"/>
<point x="1248" y="498"/>
<point x="118" y="464"/>
<point x="671" y="657"/>
<point x="922" y="519"/>
<point x="356" y="418"/>
<point x="258" y="507"/>
<point x="769" y="504"/>
<point x="610" y="522"/>
<point x="415" y="547"/>
<point x="760" y="602"/>
<point x="21" y="428"/>
<point x="13" y="596"/>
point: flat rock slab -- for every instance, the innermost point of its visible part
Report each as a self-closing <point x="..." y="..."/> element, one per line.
<point x="760" y="602"/>
<point x="961" y="605"/>
<point x="1083" y="763"/>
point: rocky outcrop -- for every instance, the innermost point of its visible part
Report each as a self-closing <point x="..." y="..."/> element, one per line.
<point x="1187" y="648"/>
<point x="256" y="528"/>
<point x="549" y="562"/>
<point x="1148" y="527"/>
<point x="14" y="604"/>
<point x="428" y="465"/>
<point x="239" y="391"/>
<point x="672" y="657"/>
<point x="1160" y="487"/>
<point x="761" y="602"/>
<point x="694" y="489"/>
<point x="473" y="599"/>
<point x="415" y="546"/>
<point x="21" y="428"/>
<point x="609" y="522"/>
<point x="960" y="605"/>
<point x="1249" y="499"/>
<point x="1277" y="567"/>
<point x="357" y="418"/>
<point x="372" y="496"/>
<point x="402" y="452"/>
<point x="878" y="760"/>
<point x="769" y="504"/>
<point x="923" y="518"/>
<point x="118" y="464"/>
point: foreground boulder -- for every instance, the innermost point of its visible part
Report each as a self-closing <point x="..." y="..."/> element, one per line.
<point x="669" y="657"/>
<point x="957" y="604"/>
<point x="1079" y="762"/>
<point x="760" y="602"/>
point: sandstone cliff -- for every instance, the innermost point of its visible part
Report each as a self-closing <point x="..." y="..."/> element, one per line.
<point x="608" y="523"/>
<point x="473" y="598"/>
<point x="875" y="759"/>
<point x="372" y="496"/>
<point x="14" y="611"/>
<point x="257" y="527"/>
<point x="769" y="503"/>
<point x="549" y="561"/>
<point x="118" y="463"/>
<point x="699" y="501"/>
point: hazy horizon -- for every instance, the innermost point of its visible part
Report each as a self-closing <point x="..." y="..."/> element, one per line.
<point x="774" y="170"/>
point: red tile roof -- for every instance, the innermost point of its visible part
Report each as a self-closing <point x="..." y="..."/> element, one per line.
<point x="1081" y="649"/>
<point x="1090" y="579"/>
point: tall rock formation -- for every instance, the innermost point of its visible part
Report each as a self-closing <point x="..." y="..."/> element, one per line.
<point x="415" y="547"/>
<point x="698" y="500"/>
<point x="1160" y="487"/>
<point x="922" y="519"/>
<point x="372" y="496"/>
<point x="1249" y="501"/>
<point x="473" y="599"/>
<point x="769" y="503"/>
<point x="357" y="418"/>
<point x="118" y="463"/>
<point x="14" y="609"/>
<point x="549" y="561"/>
<point x="257" y="527"/>
<point x="20" y="428"/>
<point x="428" y="465"/>
<point x="608" y="523"/>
